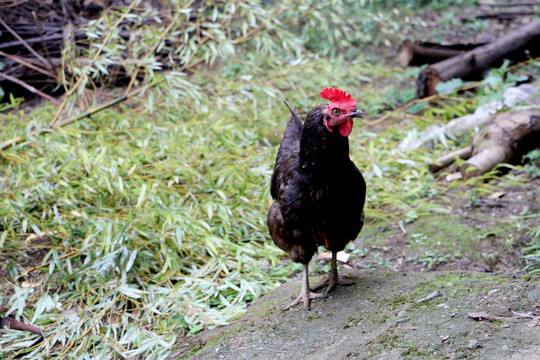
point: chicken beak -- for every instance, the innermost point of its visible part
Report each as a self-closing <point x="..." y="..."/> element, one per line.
<point x="357" y="114"/>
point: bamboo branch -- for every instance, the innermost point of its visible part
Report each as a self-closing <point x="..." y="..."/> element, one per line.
<point x="90" y="112"/>
<point x="17" y="140"/>
<point x="79" y="81"/>
<point x="95" y="110"/>
<point x="30" y="88"/>
<point x="151" y="51"/>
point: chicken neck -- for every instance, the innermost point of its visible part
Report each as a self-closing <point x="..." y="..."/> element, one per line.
<point x="319" y="148"/>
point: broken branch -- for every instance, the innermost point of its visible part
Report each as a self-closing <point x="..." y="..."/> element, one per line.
<point x="449" y="159"/>
<point x="18" y="325"/>
<point x="28" y="65"/>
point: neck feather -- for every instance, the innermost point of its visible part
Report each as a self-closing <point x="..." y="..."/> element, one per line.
<point x="318" y="146"/>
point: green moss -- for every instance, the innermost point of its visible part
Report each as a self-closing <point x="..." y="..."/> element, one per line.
<point x="413" y="352"/>
<point x="448" y="229"/>
<point x="432" y="239"/>
<point x="398" y="300"/>
<point x="266" y="314"/>
<point x="439" y="237"/>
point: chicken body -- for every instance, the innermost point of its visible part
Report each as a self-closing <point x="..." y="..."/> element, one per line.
<point x="318" y="194"/>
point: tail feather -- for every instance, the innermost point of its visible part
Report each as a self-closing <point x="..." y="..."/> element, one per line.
<point x="290" y="147"/>
<point x="291" y="138"/>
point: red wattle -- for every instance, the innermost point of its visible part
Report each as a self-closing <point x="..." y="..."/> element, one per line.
<point x="346" y="128"/>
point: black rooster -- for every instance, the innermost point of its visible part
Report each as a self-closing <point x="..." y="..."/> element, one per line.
<point x="318" y="192"/>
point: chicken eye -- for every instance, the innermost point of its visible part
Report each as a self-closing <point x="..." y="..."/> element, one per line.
<point x="335" y="112"/>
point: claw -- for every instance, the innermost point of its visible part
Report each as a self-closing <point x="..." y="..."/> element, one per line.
<point x="305" y="294"/>
<point x="331" y="283"/>
<point x="333" y="278"/>
<point x="305" y="298"/>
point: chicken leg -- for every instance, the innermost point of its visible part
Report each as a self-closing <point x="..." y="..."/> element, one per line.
<point x="305" y="294"/>
<point x="333" y="278"/>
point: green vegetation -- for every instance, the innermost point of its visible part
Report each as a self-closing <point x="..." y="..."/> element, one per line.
<point x="533" y="250"/>
<point x="141" y="224"/>
<point x="531" y="221"/>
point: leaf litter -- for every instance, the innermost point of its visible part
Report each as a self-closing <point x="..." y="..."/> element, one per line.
<point x="534" y="317"/>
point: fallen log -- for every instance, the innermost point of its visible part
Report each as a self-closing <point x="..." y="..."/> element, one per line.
<point x="503" y="15"/>
<point x="507" y="137"/>
<point x="530" y="3"/>
<point x="516" y="46"/>
<point x="418" y="53"/>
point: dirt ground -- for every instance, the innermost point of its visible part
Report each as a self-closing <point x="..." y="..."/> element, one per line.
<point x="469" y="260"/>
<point x="485" y="234"/>
<point x="386" y="315"/>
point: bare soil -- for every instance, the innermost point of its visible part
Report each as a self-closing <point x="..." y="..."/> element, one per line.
<point x="383" y="316"/>
<point x="484" y="234"/>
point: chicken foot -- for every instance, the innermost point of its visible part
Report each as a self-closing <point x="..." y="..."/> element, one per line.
<point x="305" y="294"/>
<point x="333" y="277"/>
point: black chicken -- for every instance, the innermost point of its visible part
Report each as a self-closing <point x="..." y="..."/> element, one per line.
<point x="318" y="192"/>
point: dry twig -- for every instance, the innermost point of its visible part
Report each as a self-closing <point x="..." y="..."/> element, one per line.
<point x="30" y="88"/>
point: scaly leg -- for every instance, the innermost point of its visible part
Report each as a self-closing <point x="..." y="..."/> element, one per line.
<point x="305" y="294"/>
<point x="333" y="278"/>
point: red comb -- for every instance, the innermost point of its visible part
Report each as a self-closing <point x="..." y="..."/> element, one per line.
<point x="338" y="96"/>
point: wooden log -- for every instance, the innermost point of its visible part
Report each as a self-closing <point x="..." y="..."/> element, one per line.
<point x="498" y="142"/>
<point x="504" y="15"/>
<point x="517" y="45"/>
<point x="419" y="53"/>
<point x="530" y="3"/>
<point x="506" y="138"/>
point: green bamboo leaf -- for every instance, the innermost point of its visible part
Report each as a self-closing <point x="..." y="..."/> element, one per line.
<point x="140" y="199"/>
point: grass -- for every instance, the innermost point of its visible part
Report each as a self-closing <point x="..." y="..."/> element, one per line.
<point x="532" y="251"/>
<point x="128" y="230"/>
